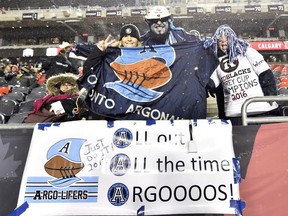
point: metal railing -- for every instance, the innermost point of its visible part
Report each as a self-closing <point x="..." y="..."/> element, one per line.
<point x="245" y="119"/>
<point x="267" y="119"/>
<point x="20" y="126"/>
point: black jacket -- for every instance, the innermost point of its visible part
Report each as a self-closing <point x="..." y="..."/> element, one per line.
<point x="58" y="64"/>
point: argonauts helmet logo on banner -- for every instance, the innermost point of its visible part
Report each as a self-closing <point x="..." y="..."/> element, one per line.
<point x="118" y="194"/>
<point x="120" y="164"/>
<point x="122" y="138"/>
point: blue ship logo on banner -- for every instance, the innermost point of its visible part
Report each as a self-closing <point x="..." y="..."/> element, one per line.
<point x="64" y="162"/>
<point x="140" y="74"/>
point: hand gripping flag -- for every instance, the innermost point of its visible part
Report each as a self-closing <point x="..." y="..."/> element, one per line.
<point x="161" y="82"/>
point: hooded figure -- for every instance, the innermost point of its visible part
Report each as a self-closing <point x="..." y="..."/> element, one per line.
<point x="61" y="99"/>
<point x="53" y="84"/>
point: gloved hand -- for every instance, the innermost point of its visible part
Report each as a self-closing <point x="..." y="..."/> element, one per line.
<point x="210" y="89"/>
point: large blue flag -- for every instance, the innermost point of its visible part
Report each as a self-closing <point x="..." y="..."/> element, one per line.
<point x="162" y="82"/>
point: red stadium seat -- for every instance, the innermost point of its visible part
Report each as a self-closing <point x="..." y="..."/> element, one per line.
<point x="278" y="68"/>
<point x="283" y="85"/>
<point x="40" y="78"/>
<point x="273" y="66"/>
<point x="4" y="90"/>
<point x="285" y="70"/>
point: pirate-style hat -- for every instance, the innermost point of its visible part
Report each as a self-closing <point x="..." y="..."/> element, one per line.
<point x="130" y="29"/>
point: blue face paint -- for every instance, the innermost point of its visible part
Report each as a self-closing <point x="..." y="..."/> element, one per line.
<point x="159" y="27"/>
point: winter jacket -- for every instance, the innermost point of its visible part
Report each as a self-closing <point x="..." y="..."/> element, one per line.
<point x="58" y="64"/>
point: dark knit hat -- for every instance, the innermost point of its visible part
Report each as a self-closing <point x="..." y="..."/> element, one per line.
<point x="130" y="29"/>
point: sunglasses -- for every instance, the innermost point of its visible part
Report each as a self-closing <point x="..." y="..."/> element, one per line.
<point x="165" y="19"/>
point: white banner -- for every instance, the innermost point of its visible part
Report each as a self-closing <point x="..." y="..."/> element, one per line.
<point x="117" y="168"/>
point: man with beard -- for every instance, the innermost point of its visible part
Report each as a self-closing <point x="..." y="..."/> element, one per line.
<point x="161" y="29"/>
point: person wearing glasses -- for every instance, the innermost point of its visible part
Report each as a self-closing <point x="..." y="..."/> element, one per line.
<point x="161" y="29"/>
<point x="60" y="102"/>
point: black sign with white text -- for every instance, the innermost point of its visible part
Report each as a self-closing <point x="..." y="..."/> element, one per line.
<point x="276" y="7"/>
<point x="223" y="9"/>
<point x="96" y="13"/>
<point x="195" y="10"/>
<point x="114" y="13"/>
<point x="31" y="16"/>
<point x="141" y="12"/>
<point x="252" y="8"/>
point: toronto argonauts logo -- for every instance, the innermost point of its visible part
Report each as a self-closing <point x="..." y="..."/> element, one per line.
<point x="227" y="66"/>
<point x="122" y="138"/>
<point x="141" y="70"/>
<point x="120" y="164"/>
<point x="64" y="162"/>
<point x="118" y="194"/>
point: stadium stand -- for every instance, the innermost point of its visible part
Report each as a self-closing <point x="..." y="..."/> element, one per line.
<point x="35" y="95"/>
<point x="2" y="118"/>
<point x="8" y="108"/>
<point x="17" y="118"/>
<point x="24" y="89"/>
<point x="15" y="95"/>
<point x="26" y="106"/>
